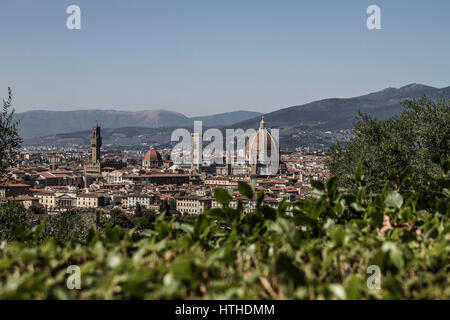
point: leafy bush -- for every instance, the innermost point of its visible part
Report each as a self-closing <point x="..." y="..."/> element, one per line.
<point x="406" y="141"/>
<point x="13" y="213"/>
<point x="320" y="248"/>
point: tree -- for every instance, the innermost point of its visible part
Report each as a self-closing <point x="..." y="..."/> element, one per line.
<point x="138" y="210"/>
<point x="170" y="207"/>
<point x="118" y="218"/>
<point x="406" y="141"/>
<point x="164" y="207"/>
<point x="14" y="213"/>
<point x="70" y="224"/>
<point x="9" y="136"/>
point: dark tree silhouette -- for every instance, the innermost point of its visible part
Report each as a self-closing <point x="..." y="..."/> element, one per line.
<point x="9" y="136"/>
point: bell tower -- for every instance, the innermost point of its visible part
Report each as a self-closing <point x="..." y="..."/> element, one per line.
<point x="93" y="168"/>
<point x="96" y="143"/>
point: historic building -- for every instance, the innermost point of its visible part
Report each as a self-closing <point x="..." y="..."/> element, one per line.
<point x="90" y="200"/>
<point x="192" y="204"/>
<point x="58" y="199"/>
<point x="160" y="178"/>
<point x="93" y="168"/>
<point x="13" y="189"/>
<point x="257" y="154"/>
<point x="152" y="159"/>
<point x="260" y="147"/>
<point x="144" y="200"/>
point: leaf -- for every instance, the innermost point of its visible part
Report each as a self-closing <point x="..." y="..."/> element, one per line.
<point x="245" y="189"/>
<point x="394" y="200"/>
<point x="282" y="207"/>
<point x="352" y="288"/>
<point x="361" y="195"/>
<point x="357" y="207"/>
<point x="317" y="184"/>
<point x="260" y="198"/>
<point x="338" y="291"/>
<point x="332" y="188"/>
<point x="302" y="220"/>
<point x="359" y="173"/>
<point x="222" y="196"/>
<point x="217" y="213"/>
<point x="188" y="228"/>
<point x="405" y="175"/>
<point x="338" y="235"/>
<point x="395" y="255"/>
<point x="202" y="226"/>
<point x="376" y="217"/>
<point x="287" y="271"/>
<point x="268" y="213"/>
<point x="253" y="185"/>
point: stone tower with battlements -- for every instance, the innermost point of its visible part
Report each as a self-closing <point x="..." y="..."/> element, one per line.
<point x="92" y="169"/>
<point x="96" y="143"/>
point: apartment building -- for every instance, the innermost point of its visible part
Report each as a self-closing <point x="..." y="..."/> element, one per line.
<point x="90" y="200"/>
<point x="192" y="204"/>
<point x="144" y="200"/>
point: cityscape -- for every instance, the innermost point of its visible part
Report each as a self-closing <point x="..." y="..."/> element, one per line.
<point x="61" y="180"/>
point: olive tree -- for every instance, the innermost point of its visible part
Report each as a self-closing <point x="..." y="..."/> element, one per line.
<point x="404" y="142"/>
<point x="9" y="136"/>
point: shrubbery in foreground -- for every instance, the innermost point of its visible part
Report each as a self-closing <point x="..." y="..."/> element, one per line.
<point x="405" y="141"/>
<point x="320" y="250"/>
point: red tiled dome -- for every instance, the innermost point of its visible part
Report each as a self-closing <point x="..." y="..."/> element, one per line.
<point x="152" y="155"/>
<point x="260" y="139"/>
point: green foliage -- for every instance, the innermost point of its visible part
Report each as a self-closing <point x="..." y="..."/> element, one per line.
<point x="222" y="196"/>
<point x="319" y="248"/>
<point x="69" y="225"/>
<point x="138" y="210"/>
<point x="245" y="189"/>
<point x="117" y="218"/>
<point x="168" y="207"/>
<point x="13" y="213"/>
<point x="398" y="144"/>
<point x="9" y="136"/>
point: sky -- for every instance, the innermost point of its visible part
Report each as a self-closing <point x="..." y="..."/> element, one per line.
<point x="201" y="57"/>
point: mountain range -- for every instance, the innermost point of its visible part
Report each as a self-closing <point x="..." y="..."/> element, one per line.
<point x="41" y="123"/>
<point x="331" y="114"/>
<point x="303" y="125"/>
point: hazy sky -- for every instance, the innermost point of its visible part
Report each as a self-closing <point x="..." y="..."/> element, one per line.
<point x="209" y="56"/>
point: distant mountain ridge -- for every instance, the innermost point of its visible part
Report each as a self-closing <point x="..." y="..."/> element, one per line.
<point x="227" y="118"/>
<point x="304" y="125"/>
<point x="340" y="113"/>
<point x="43" y="123"/>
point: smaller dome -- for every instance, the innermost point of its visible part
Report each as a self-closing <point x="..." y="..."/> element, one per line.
<point x="152" y="155"/>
